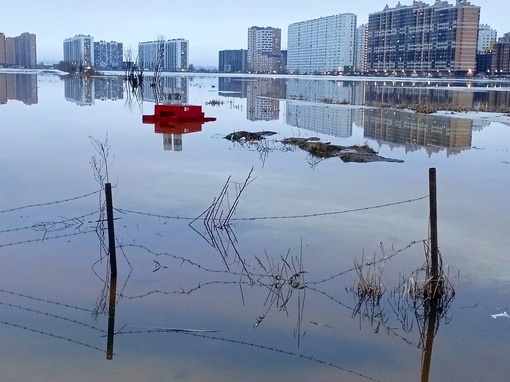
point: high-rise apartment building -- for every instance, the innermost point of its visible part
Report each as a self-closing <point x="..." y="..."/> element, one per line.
<point x="424" y="38"/>
<point x="486" y="38"/>
<point x="108" y="55"/>
<point x="174" y="54"/>
<point x="232" y="61"/>
<point x="25" y="50"/>
<point x="18" y="51"/>
<point x="2" y="49"/>
<point x="360" y="63"/>
<point x="10" y="58"/>
<point x="79" y="50"/>
<point x="264" y="49"/>
<point x="322" y="45"/>
<point x="501" y="55"/>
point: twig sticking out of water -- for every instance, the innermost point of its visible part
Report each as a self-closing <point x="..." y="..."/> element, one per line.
<point x="216" y="219"/>
<point x="283" y="280"/>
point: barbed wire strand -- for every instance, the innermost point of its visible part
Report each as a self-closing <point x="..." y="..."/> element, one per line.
<point x="47" y="238"/>
<point x="52" y="316"/>
<point x="263" y="347"/>
<point x="43" y="224"/>
<point x="50" y="203"/>
<point x="46" y="301"/>
<point x="53" y="335"/>
<point x="126" y="211"/>
<point x="371" y="263"/>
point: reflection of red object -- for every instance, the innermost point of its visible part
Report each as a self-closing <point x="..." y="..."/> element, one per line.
<point x="177" y="119"/>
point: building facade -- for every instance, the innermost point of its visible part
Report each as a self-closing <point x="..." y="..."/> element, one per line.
<point x="18" y="51"/>
<point x="10" y="59"/>
<point x="174" y="54"/>
<point x="322" y="45"/>
<point x="264" y="50"/>
<point x="108" y="55"/>
<point x="79" y="50"/>
<point x="25" y="50"/>
<point x="232" y="61"/>
<point x="360" y="64"/>
<point x="501" y="55"/>
<point x="486" y="38"/>
<point x="2" y="49"/>
<point x="424" y="39"/>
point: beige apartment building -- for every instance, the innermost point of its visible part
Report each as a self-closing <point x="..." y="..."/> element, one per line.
<point x="424" y="39"/>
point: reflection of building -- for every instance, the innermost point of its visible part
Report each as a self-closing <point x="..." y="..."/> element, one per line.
<point x="423" y="38"/>
<point x="264" y="95"/>
<point x="495" y="100"/>
<point x="232" y="61"/>
<point x="79" y="90"/>
<point x="85" y="90"/>
<point x="175" y="54"/>
<point x="173" y="89"/>
<point x="108" y="88"/>
<point x="108" y="55"/>
<point x="232" y="87"/>
<point x="415" y="131"/>
<point x="19" y="87"/>
<point x="322" y="118"/>
<point x="331" y="120"/>
<point x="320" y="91"/>
<point x="79" y="50"/>
<point x="264" y="50"/>
<point x="322" y="45"/>
<point x="444" y="98"/>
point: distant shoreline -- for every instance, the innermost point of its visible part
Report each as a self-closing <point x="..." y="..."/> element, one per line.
<point x="300" y="76"/>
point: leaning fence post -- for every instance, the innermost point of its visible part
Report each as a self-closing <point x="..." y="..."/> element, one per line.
<point x="113" y="271"/>
<point x="111" y="229"/>
<point x="111" y="316"/>
<point x="434" y="262"/>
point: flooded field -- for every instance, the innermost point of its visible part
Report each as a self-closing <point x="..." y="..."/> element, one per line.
<point x="252" y="259"/>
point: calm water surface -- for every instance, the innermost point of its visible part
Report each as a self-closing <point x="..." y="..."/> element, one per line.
<point x="268" y="297"/>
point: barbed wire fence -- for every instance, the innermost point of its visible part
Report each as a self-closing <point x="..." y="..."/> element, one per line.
<point x="282" y="278"/>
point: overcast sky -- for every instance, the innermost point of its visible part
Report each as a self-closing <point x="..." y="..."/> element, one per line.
<point x="209" y="25"/>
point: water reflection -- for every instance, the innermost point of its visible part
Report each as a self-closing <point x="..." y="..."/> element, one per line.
<point x="180" y="281"/>
<point x="417" y="131"/>
<point x="173" y="120"/>
<point x="19" y="87"/>
<point x="85" y="90"/>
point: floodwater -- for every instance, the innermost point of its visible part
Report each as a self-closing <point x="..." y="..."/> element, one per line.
<point x="261" y="286"/>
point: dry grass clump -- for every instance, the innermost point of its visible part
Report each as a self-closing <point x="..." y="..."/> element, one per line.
<point x="368" y="284"/>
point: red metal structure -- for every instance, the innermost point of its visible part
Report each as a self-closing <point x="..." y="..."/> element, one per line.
<point x="177" y="119"/>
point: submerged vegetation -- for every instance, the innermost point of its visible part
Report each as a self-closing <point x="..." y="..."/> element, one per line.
<point x="431" y="108"/>
<point x="317" y="149"/>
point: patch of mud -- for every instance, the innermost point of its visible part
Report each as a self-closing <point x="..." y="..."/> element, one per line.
<point x="322" y="150"/>
<point x="239" y="136"/>
<point x="316" y="148"/>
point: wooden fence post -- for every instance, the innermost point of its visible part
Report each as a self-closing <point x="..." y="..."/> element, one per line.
<point x="111" y="316"/>
<point x="111" y="229"/>
<point x="434" y="252"/>
<point x="113" y="271"/>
